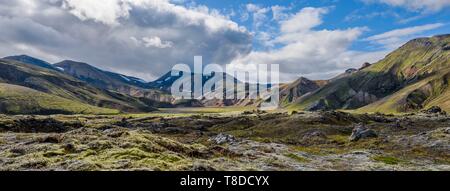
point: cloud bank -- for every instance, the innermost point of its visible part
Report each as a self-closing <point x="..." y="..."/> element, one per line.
<point x="307" y="51"/>
<point x="145" y="38"/>
<point x="136" y="37"/>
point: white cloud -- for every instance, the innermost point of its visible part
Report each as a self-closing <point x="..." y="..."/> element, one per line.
<point x="136" y="37"/>
<point x="105" y="11"/>
<point x="279" y="12"/>
<point x="304" y="20"/>
<point x="308" y="52"/>
<point x="393" y="39"/>
<point x="253" y="8"/>
<point x="417" y="5"/>
<point x="258" y="13"/>
<point x="110" y="11"/>
<point x="360" y="14"/>
<point x="145" y="38"/>
<point x="405" y="31"/>
<point x="151" y="42"/>
<point x="156" y="42"/>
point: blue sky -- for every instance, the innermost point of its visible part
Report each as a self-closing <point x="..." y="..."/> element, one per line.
<point x="377" y="17"/>
<point x="385" y="24"/>
<point x="318" y="39"/>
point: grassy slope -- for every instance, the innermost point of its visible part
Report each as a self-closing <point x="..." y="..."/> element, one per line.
<point x="293" y="91"/>
<point x="391" y="104"/>
<point x="408" y="67"/>
<point x="434" y="91"/>
<point x="22" y="100"/>
<point x="335" y="86"/>
<point x="62" y="85"/>
<point x="112" y="81"/>
<point x="412" y="60"/>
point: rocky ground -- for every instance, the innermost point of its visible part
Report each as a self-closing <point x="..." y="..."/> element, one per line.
<point x="237" y="141"/>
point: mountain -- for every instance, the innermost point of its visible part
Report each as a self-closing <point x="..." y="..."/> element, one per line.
<point x="33" y="61"/>
<point x="411" y="78"/>
<point x="426" y="93"/>
<point x="291" y="92"/>
<point x="164" y="83"/>
<point x="112" y="81"/>
<point x="100" y="78"/>
<point x="58" y="84"/>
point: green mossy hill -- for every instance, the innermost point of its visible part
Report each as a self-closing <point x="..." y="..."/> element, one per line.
<point x="418" y="71"/>
<point x="61" y="85"/>
<point x="291" y="92"/>
<point x="424" y="94"/>
<point x="22" y="100"/>
<point x="113" y="81"/>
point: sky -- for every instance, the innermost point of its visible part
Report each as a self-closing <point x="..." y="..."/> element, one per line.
<point x="144" y="38"/>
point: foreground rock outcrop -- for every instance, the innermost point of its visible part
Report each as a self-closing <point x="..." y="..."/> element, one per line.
<point x="256" y="141"/>
<point x="362" y="132"/>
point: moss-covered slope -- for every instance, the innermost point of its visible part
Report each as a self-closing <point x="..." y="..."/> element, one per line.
<point x="411" y="78"/>
<point x="61" y="85"/>
<point x="22" y="100"/>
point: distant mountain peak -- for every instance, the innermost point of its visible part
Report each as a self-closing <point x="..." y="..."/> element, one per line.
<point x="23" y="56"/>
<point x="31" y="60"/>
<point x="61" y="88"/>
<point x="74" y="63"/>
<point x="365" y="65"/>
<point x="303" y="79"/>
<point x="100" y="78"/>
<point x="19" y="56"/>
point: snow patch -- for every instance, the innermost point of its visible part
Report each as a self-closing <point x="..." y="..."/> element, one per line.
<point x="125" y="78"/>
<point x="140" y="80"/>
<point x="59" y="68"/>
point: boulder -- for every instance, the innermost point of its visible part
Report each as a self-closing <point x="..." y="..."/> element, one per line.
<point x="434" y="110"/>
<point x="222" y="139"/>
<point x="362" y="132"/>
<point x="365" y="65"/>
<point x="447" y="130"/>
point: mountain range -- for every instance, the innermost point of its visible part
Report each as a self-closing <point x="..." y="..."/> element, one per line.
<point x="411" y="78"/>
<point x="55" y="84"/>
